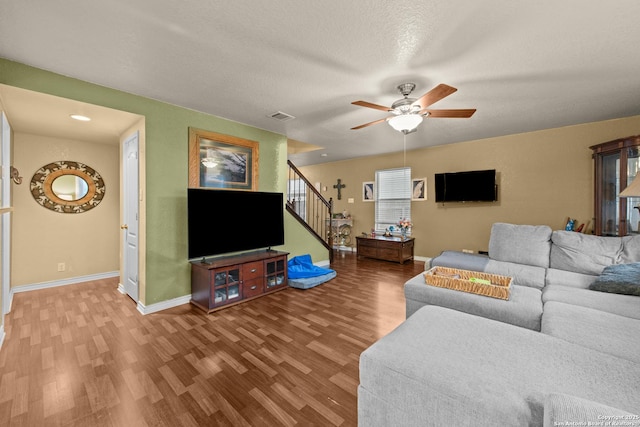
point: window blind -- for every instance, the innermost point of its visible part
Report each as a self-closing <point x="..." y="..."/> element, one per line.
<point x="393" y="197"/>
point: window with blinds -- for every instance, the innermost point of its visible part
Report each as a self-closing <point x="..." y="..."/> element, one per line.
<point x="393" y="197"/>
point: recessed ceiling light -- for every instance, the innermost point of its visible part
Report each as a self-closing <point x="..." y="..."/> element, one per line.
<point x="80" y="117"/>
<point x="323" y="155"/>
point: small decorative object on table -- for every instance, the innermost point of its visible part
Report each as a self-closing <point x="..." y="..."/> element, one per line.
<point x="570" y="224"/>
<point x="404" y="225"/>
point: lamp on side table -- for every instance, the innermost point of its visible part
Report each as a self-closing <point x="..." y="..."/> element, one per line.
<point x="633" y="190"/>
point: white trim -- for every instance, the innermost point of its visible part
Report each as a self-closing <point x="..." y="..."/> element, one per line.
<point x="163" y="305"/>
<point x="324" y="263"/>
<point x="5" y="245"/>
<point x="121" y="289"/>
<point x="64" y="282"/>
<point x="1" y="335"/>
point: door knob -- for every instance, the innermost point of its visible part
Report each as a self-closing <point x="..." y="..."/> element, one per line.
<point x="124" y="227"/>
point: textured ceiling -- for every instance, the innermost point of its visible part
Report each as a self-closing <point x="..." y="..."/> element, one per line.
<point x="524" y="65"/>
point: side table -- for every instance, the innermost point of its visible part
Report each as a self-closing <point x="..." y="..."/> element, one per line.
<point x="393" y="249"/>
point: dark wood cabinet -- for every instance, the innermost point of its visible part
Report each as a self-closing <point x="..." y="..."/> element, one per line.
<point x="386" y="248"/>
<point x="616" y="164"/>
<point x="229" y="280"/>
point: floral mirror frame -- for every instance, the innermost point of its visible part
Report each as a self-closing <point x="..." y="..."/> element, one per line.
<point x="44" y="195"/>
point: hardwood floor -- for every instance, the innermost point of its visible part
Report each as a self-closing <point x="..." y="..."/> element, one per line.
<point x="82" y="355"/>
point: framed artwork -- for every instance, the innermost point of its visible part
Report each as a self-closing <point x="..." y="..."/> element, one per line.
<point x="419" y="189"/>
<point x="368" y="194"/>
<point x="222" y="161"/>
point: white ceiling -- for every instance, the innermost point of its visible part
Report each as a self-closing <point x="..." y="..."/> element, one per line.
<point x="524" y="65"/>
<point x="42" y="114"/>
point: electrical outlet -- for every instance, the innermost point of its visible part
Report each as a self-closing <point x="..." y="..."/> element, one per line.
<point x="467" y="251"/>
<point x="62" y="266"/>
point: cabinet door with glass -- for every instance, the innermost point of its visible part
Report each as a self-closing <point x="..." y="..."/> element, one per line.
<point x="226" y="285"/>
<point x="617" y="163"/>
<point x="276" y="273"/>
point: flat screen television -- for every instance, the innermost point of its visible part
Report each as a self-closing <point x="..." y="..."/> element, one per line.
<point x="224" y="221"/>
<point x="469" y="186"/>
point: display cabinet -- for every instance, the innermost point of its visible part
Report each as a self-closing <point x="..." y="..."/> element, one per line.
<point x="341" y="230"/>
<point x="225" y="281"/>
<point x="616" y="164"/>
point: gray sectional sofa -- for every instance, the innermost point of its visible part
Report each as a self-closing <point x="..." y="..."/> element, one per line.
<point x="557" y="352"/>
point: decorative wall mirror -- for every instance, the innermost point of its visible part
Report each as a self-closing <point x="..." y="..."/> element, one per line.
<point x="67" y="187"/>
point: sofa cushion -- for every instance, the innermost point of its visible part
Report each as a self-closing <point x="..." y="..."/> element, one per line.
<point x="619" y="279"/>
<point x="522" y="244"/>
<point x="569" y="278"/>
<point x="523" y="274"/>
<point x="524" y="307"/>
<point x="630" y="249"/>
<point x="584" y="253"/>
<point x="443" y="367"/>
<point x="622" y="305"/>
<point x="563" y="409"/>
<point x="595" y="329"/>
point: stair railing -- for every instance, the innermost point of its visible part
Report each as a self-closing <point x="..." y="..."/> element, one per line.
<point x="309" y="207"/>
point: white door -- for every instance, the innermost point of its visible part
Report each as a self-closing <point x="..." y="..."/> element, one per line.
<point x="5" y="156"/>
<point x="130" y="215"/>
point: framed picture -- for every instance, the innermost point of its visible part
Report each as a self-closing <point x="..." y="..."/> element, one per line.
<point x="222" y="161"/>
<point x="419" y="189"/>
<point x="368" y="194"/>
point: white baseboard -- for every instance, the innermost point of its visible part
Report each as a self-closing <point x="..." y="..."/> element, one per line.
<point x="163" y="305"/>
<point x="1" y="335"/>
<point x="64" y="282"/>
<point x="323" y="263"/>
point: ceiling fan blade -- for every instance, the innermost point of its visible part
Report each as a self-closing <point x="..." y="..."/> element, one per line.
<point x="370" y="105"/>
<point x="462" y="114"/>
<point x="369" y="124"/>
<point x="434" y="95"/>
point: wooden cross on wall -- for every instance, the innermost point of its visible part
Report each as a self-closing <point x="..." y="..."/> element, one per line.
<point x="339" y="186"/>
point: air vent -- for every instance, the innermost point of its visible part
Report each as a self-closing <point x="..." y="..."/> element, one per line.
<point x="283" y="117"/>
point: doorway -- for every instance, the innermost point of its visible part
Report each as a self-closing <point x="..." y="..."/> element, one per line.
<point x="38" y="118"/>
<point x="130" y="210"/>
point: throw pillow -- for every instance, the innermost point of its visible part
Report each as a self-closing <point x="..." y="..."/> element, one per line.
<point x="619" y="279"/>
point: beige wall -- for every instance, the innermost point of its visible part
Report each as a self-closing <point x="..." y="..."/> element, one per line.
<point x="87" y="242"/>
<point x="543" y="177"/>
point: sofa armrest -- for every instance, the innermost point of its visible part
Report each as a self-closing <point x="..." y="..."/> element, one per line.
<point x="461" y="260"/>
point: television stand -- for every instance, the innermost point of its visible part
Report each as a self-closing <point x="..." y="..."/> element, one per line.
<point x="230" y="280"/>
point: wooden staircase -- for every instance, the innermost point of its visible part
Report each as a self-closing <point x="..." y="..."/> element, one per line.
<point x="307" y="205"/>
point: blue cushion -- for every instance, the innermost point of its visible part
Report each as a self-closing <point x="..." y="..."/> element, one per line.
<point x="619" y="279"/>
<point x="300" y="267"/>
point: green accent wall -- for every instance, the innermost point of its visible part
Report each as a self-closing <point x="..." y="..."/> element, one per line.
<point x="166" y="147"/>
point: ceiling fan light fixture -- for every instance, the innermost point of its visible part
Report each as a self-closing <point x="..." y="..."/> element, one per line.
<point x="405" y="122"/>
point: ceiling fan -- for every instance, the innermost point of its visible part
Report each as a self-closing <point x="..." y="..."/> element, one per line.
<point x="409" y="112"/>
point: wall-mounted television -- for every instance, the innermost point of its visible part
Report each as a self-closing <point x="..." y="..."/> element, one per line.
<point x="469" y="186"/>
<point x="224" y="221"/>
